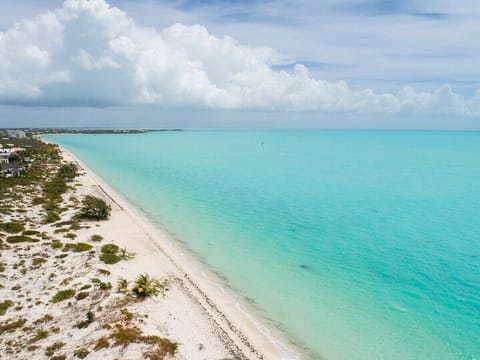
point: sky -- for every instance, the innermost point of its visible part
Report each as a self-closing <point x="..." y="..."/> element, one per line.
<point x="213" y="63"/>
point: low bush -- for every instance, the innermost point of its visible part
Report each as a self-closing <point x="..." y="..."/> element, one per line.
<point x="13" y="227"/>
<point x="94" y="208"/>
<point x="78" y="247"/>
<point x="63" y="295"/>
<point x="4" y="306"/>
<point x="102" y="343"/>
<point x="110" y="259"/>
<point x="50" y="350"/>
<point x="81" y="353"/>
<point x="96" y="238"/>
<point x="81" y="295"/>
<point x="20" y="238"/>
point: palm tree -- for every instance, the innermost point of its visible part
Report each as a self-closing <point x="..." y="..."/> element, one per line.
<point x="145" y="286"/>
<point x="122" y="285"/>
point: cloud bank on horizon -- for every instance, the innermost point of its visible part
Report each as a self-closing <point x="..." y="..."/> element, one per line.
<point x="88" y="53"/>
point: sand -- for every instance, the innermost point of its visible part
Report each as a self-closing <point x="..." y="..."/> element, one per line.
<point x="197" y="310"/>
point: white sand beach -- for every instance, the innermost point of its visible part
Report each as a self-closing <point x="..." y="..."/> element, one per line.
<point x="197" y="311"/>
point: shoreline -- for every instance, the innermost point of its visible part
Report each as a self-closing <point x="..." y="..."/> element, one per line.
<point x="240" y="330"/>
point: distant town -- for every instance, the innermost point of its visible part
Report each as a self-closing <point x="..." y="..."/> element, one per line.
<point x="14" y="144"/>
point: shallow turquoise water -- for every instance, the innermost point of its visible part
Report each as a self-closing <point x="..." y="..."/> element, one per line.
<point x="357" y="244"/>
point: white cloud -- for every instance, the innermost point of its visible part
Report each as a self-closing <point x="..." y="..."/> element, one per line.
<point x="89" y="53"/>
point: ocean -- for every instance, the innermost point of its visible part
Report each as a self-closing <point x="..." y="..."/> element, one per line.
<point x="354" y="244"/>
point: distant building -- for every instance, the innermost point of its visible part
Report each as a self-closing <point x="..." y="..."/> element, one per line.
<point x="11" y="169"/>
<point x="4" y="157"/>
<point x="16" y="134"/>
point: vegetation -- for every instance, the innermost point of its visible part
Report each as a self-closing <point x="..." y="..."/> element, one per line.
<point x="12" y="227"/>
<point x="111" y="254"/>
<point x="122" y="285"/>
<point x="50" y="350"/>
<point x="63" y="295"/>
<point x="102" y="343"/>
<point x="94" y="208"/>
<point x="81" y="353"/>
<point x="82" y="295"/>
<point x="78" y="247"/>
<point x="40" y="335"/>
<point x="85" y="323"/>
<point x="20" y="238"/>
<point x="11" y="326"/>
<point x="96" y="238"/>
<point x="4" y="306"/>
<point x="145" y="286"/>
<point x="124" y="336"/>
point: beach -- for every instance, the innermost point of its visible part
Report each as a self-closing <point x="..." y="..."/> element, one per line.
<point x="223" y="325"/>
<point x="195" y="312"/>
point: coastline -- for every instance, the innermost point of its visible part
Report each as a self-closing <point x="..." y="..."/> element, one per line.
<point x="237" y="328"/>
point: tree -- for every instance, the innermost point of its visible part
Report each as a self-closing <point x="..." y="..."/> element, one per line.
<point x="145" y="286"/>
<point x="68" y="171"/>
<point x="94" y="208"/>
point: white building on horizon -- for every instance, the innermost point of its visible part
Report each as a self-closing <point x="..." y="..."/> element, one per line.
<point x="16" y="134"/>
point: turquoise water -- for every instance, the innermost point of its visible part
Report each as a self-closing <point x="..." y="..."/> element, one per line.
<point x="356" y="244"/>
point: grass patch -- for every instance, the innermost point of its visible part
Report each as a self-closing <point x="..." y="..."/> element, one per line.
<point x="102" y="343"/>
<point x="4" y="306"/>
<point x="20" y="239"/>
<point x="96" y="238"/>
<point x="13" y="227"/>
<point x="38" y="261"/>
<point x="63" y="295"/>
<point x="110" y="259"/>
<point x="78" y="247"/>
<point x="82" y="295"/>
<point x="81" y="353"/>
<point x="11" y="326"/>
<point x="50" y="350"/>
<point x="40" y="335"/>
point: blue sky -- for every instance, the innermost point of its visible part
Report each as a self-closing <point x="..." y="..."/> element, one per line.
<point x="382" y="46"/>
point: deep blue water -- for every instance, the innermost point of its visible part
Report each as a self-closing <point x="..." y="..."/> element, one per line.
<point x="356" y="244"/>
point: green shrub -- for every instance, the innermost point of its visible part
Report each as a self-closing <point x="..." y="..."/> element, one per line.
<point x="50" y="350"/>
<point x="78" y="247"/>
<point x="68" y="172"/>
<point x="11" y="326"/>
<point x="81" y="353"/>
<point x="102" y="343"/>
<point x="4" y="306"/>
<point x="51" y="217"/>
<point x="71" y="236"/>
<point x="63" y="295"/>
<point x="40" y="335"/>
<point x="13" y="227"/>
<point x="56" y="244"/>
<point x="96" y="238"/>
<point x="30" y="232"/>
<point x="110" y="249"/>
<point x="38" y="261"/>
<point x="82" y="295"/>
<point x="122" y="285"/>
<point x="109" y="258"/>
<point x="38" y="200"/>
<point x="75" y="226"/>
<point x="104" y="272"/>
<point x="58" y="357"/>
<point x="94" y="208"/>
<point x="84" y="324"/>
<point x="20" y="238"/>
<point x="105" y="286"/>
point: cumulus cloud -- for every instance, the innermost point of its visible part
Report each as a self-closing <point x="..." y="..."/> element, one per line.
<point x="89" y="53"/>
